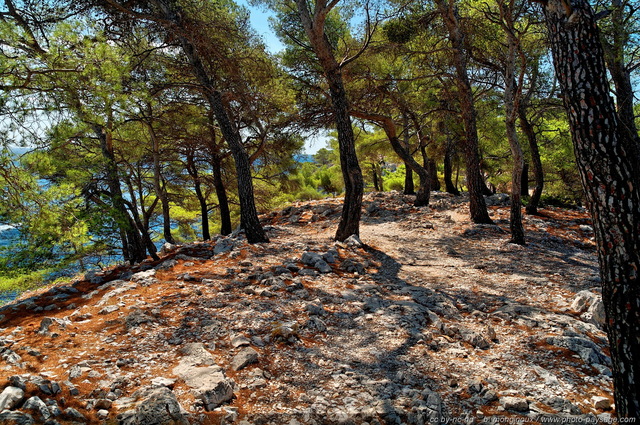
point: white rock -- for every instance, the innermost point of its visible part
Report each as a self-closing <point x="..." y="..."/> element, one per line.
<point x="10" y="397"/>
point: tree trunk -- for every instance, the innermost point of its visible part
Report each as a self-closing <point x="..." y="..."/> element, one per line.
<point x="248" y="214"/>
<point x="611" y="182"/>
<point x="450" y="187"/>
<point x="432" y="167"/>
<point x="409" y="188"/>
<point x="160" y="190"/>
<point x="375" y="177"/>
<point x="524" y="190"/>
<point x="538" y="172"/>
<point x="192" y="169"/>
<point x="512" y="95"/>
<point x="424" y="191"/>
<point x="477" y="205"/>
<point x="133" y="249"/>
<point x="351" y="172"/>
<point x="221" y="194"/>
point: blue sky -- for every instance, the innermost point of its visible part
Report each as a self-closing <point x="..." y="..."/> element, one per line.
<point x="260" y="22"/>
<point x="259" y="18"/>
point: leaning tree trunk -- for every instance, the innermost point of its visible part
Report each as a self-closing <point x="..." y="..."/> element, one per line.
<point x="249" y="220"/>
<point x="611" y="182"/>
<point x="424" y="191"/>
<point x="374" y="170"/>
<point x="621" y="77"/>
<point x="477" y="205"/>
<point x="538" y="172"/>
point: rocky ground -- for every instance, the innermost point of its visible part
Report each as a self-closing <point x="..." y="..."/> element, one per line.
<point x="427" y="319"/>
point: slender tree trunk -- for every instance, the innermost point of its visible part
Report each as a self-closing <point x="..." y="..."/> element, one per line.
<point x="610" y="178"/>
<point x="621" y="76"/>
<point x="477" y="205"/>
<point x="450" y="187"/>
<point x="192" y="169"/>
<point x="409" y="188"/>
<point x="432" y="167"/>
<point x="221" y="194"/>
<point x="512" y="95"/>
<point x="375" y="177"/>
<point x="160" y="190"/>
<point x="538" y="172"/>
<point x="524" y="190"/>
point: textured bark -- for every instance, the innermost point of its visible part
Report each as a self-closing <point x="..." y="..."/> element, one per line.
<point x="512" y="95"/>
<point x="221" y="194"/>
<point x="538" y="172"/>
<point x="477" y="205"/>
<point x="450" y="187"/>
<point x="351" y="172"/>
<point x="611" y="182"/>
<point x="524" y="189"/>
<point x="424" y="191"/>
<point x="432" y="167"/>
<point x="409" y="187"/>
<point x="249" y="220"/>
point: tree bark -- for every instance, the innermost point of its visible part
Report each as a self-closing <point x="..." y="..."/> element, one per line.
<point x="538" y="172"/>
<point x="409" y="187"/>
<point x="524" y="190"/>
<point x="351" y="172"/>
<point x="450" y="187"/>
<point x="604" y="154"/>
<point x="375" y="177"/>
<point x="221" y="194"/>
<point x="477" y="205"/>
<point x="512" y="95"/>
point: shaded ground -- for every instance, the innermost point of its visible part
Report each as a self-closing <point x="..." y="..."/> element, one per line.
<point x="434" y="318"/>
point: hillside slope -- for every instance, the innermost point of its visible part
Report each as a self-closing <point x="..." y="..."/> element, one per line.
<point x="433" y="319"/>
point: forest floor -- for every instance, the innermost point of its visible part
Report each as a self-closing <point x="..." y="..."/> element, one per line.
<point x="430" y="320"/>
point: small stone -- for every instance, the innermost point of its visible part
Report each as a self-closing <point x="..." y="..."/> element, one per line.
<point x="102" y="414"/>
<point x="163" y="382"/>
<point x="515" y="404"/>
<point x="602" y="403"/>
<point x="103" y="404"/>
<point x="240" y="341"/>
<point x="73" y="414"/>
<point x="244" y="358"/>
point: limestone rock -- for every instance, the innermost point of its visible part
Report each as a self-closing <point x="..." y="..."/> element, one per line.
<point x="602" y="403"/>
<point x="10" y="397"/>
<point x="244" y="358"/>
<point x="160" y="407"/>
<point x="16" y="418"/>
<point x="515" y="404"/>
